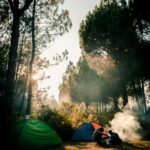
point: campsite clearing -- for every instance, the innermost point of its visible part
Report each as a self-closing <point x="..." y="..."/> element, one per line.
<point x="136" y="145"/>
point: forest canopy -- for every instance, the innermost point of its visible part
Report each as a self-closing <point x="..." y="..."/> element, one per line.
<point x="119" y="31"/>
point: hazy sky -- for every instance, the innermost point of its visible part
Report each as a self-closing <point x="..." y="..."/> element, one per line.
<point x="78" y="9"/>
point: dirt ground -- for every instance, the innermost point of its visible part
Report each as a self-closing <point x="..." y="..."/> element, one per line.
<point x="136" y="145"/>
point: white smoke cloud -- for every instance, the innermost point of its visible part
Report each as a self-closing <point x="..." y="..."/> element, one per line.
<point x="126" y="124"/>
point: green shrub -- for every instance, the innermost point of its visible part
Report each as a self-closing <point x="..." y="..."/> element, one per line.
<point x="59" y="123"/>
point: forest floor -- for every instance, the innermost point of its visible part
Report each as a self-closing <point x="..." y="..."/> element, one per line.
<point x="135" y="145"/>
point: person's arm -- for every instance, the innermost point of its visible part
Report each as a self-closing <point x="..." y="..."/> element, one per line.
<point x="105" y="134"/>
<point x="94" y="134"/>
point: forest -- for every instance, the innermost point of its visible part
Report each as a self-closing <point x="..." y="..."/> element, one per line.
<point x="110" y="84"/>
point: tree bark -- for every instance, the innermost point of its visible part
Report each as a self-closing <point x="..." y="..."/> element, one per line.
<point x="7" y="103"/>
<point x="29" y="101"/>
<point x="10" y="77"/>
<point x="115" y="104"/>
<point x="143" y="97"/>
<point x="6" y="113"/>
<point x="125" y="96"/>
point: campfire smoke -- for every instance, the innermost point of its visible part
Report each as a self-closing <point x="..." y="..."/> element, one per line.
<point x="132" y="124"/>
<point x="126" y="125"/>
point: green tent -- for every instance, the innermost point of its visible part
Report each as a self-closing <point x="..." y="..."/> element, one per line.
<point x="35" y="134"/>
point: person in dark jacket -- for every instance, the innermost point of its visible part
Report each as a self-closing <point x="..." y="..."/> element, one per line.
<point x="114" y="138"/>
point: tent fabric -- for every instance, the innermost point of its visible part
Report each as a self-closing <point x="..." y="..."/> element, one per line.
<point x="35" y="134"/>
<point x="84" y="132"/>
<point x="96" y="126"/>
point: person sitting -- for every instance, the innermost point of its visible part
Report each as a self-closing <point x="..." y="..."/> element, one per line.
<point x="98" y="135"/>
<point x="114" y="138"/>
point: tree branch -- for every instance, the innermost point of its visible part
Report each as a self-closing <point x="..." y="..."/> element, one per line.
<point x="11" y="5"/>
<point x="26" y="5"/>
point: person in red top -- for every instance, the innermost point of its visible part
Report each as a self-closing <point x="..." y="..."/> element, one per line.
<point x="98" y="135"/>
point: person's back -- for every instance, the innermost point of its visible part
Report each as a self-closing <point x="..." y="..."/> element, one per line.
<point x="115" y="139"/>
<point x="98" y="135"/>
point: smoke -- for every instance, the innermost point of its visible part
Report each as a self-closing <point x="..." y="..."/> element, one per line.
<point x="131" y="124"/>
<point x="126" y="125"/>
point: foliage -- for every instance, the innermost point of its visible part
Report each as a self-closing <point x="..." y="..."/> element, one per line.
<point x="68" y="80"/>
<point x="88" y="86"/>
<point x="78" y="113"/>
<point x="140" y="11"/>
<point x="15" y="25"/>
<point x="113" y="29"/>
<point x="59" y="123"/>
<point x="104" y="117"/>
<point x="3" y="11"/>
<point x="3" y="55"/>
<point x="91" y="83"/>
<point x="70" y="116"/>
<point x="56" y="23"/>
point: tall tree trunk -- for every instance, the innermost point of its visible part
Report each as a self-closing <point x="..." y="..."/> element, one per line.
<point x="135" y="90"/>
<point x="29" y="101"/>
<point x="10" y="77"/>
<point x="125" y="96"/>
<point x="23" y="96"/>
<point x="20" y="56"/>
<point x="6" y="110"/>
<point x="6" y="113"/>
<point x="115" y="104"/>
<point x="143" y="97"/>
<point x="97" y="108"/>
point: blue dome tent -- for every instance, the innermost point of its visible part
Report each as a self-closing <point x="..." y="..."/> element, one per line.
<point x="84" y="132"/>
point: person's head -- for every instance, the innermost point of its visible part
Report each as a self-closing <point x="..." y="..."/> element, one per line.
<point x="110" y="132"/>
<point x="101" y="129"/>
